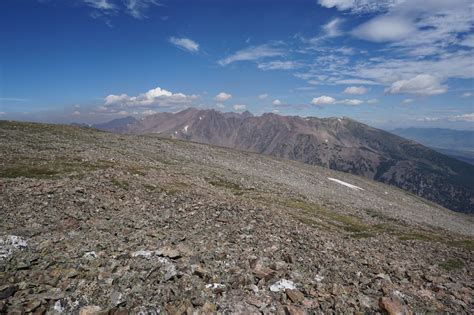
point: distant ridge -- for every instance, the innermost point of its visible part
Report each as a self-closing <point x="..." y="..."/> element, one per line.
<point x="338" y="143"/>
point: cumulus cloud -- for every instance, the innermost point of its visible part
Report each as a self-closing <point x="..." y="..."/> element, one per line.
<point x="277" y="102"/>
<point x="466" y="95"/>
<point x="239" y="107"/>
<point x="263" y="96"/>
<point x="407" y="101"/>
<point x="422" y="84"/>
<point x="156" y="97"/>
<point x="328" y="100"/>
<point x="323" y="100"/>
<point x="385" y="29"/>
<point x="253" y="53"/>
<point x="222" y="97"/>
<point x="279" y="65"/>
<point x="185" y="44"/>
<point x="372" y="101"/>
<point x="356" y="90"/>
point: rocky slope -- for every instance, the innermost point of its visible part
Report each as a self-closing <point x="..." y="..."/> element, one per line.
<point x="338" y="143"/>
<point x="100" y="223"/>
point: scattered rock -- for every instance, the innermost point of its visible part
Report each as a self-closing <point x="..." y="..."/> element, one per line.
<point x="294" y="295"/>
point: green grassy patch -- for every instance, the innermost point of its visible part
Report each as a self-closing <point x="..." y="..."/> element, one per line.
<point x="120" y="184"/>
<point x="43" y="168"/>
<point x="452" y="264"/>
<point x="466" y="244"/>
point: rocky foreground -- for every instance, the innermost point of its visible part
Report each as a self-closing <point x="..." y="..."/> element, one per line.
<point x="98" y="223"/>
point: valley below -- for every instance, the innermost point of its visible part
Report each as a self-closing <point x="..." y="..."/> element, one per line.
<point x="105" y="223"/>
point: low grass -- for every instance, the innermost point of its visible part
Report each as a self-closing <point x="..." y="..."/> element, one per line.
<point x="121" y="184"/>
<point x="233" y="187"/>
<point x="43" y="168"/>
<point x="452" y="264"/>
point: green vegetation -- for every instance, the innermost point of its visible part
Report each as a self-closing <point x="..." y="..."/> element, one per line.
<point x="235" y="188"/>
<point x="452" y="264"/>
<point x="43" y="168"/>
<point x="120" y="184"/>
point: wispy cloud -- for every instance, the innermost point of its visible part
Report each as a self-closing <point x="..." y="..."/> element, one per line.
<point x="185" y="44"/>
<point x="100" y="4"/>
<point x="137" y="8"/>
<point x="13" y="99"/>
<point x="253" y="53"/>
<point x="332" y="29"/>
<point x="279" y="65"/>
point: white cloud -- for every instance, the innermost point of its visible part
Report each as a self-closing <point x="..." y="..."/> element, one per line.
<point x="137" y="8"/>
<point x="222" y="97"/>
<point x="373" y="101"/>
<point x="328" y="100"/>
<point x="466" y="95"/>
<point x="422" y="84"/>
<point x="407" y="101"/>
<point x="359" y="6"/>
<point x="76" y="113"/>
<point x="156" y="97"/>
<point x="185" y="44"/>
<point x="279" y="65"/>
<point x="332" y="29"/>
<point x="350" y="102"/>
<point x="253" y="53"/>
<point x="123" y="113"/>
<point x="239" y="107"/>
<point x="100" y="4"/>
<point x="263" y="96"/>
<point x="356" y="90"/>
<point x="385" y="28"/>
<point x="464" y="117"/>
<point x="276" y="102"/>
<point x="323" y="100"/>
<point x="2" y="113"/>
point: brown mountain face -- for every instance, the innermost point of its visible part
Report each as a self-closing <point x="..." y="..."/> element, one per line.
<point x="337" y="143"/>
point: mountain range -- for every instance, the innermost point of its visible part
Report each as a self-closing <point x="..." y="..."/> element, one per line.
<point x="341" y="144"/>
<point x="455" y="143"/>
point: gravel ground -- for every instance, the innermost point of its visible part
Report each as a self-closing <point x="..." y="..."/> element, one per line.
<point x="97" y="223"/>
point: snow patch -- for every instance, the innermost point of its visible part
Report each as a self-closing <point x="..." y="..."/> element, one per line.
<point x="185" y="129"/>
<point x="345" y="184"/>
<point x="143" y="253"/>
<point x="10" y="244"/>
<point x="282" y="285"/>
<point x="200" y="118"/>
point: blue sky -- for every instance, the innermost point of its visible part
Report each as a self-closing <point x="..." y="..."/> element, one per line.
<point x="388" y="63"/>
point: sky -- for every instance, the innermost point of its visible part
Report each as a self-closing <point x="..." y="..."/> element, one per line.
<point x="388" y="63"/>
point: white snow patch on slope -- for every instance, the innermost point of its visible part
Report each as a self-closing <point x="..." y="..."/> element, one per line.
<point x="185" y="129"/>
<point x="345" y="184"/>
